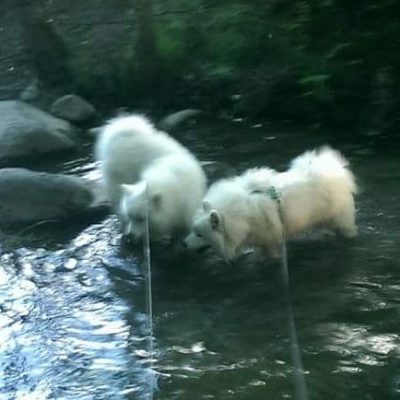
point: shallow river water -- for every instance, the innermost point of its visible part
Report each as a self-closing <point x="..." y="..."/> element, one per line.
<point x="72" y="299"/>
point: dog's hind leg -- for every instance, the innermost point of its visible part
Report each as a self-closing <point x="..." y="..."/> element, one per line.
<point x="275" y="250"/>
<point x="345" y="222"/>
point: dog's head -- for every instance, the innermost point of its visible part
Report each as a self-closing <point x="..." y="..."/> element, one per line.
<point x="208" y="232"/>
<point x="134" y="201"/>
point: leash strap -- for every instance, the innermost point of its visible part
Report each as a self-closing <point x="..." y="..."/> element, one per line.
<point x="299" y="378"/>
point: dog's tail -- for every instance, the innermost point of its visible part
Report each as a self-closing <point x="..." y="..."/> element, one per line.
<point x="326" y="165"/>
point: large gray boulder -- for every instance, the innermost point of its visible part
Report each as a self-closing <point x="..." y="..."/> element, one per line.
<point x="73" y="108"/>
<point x="27" y="196"/>
<point x="28" y="131"/>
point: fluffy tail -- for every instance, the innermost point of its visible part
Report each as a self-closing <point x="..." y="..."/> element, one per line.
<point x="326" y="165"/>
<point x="122" y="127"/>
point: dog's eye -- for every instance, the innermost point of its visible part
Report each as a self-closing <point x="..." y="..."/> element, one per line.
<point x="199" y="235"/>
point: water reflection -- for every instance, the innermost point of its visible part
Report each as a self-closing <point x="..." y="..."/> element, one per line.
<point x="64" y="332"/>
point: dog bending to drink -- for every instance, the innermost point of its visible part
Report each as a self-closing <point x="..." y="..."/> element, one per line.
<point x="144" y="168"/>
<point x="244" y="211"/>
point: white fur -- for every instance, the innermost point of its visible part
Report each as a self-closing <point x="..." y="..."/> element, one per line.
<point x="237" y="213"/>
<point x="132" y="152"/>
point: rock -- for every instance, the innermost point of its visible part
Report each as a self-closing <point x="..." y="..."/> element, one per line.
<point x="28" y="196"/>
<point x="101" y="205"/>
<point x="216" y="170"/>
<point x="28" y="131"/>
<point x="31" y="92"/>
<point x="171" y="121"/>
<point x="73" y="108"/>
<point x="95" y="131"/>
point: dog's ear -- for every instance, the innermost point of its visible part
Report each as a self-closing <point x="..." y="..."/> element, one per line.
<point x="134" y="189"/>
<point x="156" y="200"/>
<point x="206" y="206"/>
<point x="215" y="219"/>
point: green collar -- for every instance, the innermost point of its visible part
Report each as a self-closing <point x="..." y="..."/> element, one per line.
<point x="271" y="191"/>
<point x="274" y="193"/>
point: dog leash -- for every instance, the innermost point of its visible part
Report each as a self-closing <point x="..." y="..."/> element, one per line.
<point x="149" y="302"/>
<point x="299" y="378"/>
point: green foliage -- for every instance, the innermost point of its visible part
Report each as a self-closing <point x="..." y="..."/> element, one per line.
<point x="171" y="45"/>
<point x="330" y="60"/>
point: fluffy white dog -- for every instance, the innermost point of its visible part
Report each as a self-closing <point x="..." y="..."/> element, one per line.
<point x="143" y="167"/>
<point x="262" y="207"/>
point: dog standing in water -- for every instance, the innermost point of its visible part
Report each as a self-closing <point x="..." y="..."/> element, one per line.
<point x="263" y="207"/>
<point x="144" y="167"/>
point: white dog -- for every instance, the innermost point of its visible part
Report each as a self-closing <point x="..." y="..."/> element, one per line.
<point x="262" y="207"/>
<point x="143" y="167"/>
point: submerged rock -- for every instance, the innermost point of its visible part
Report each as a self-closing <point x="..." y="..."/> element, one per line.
<point x="28" y="131"/>
<point x="171" y="121"/>
<point x="73" y="108"/>
<point x="27" y="196"/>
